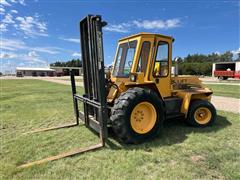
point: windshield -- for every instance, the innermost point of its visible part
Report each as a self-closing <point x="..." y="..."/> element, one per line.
<point x="124" y="59"/>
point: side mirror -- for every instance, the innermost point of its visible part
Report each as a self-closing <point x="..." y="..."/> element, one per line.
<point x="176" y="59"/>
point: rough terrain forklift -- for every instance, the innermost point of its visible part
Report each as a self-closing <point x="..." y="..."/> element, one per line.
<point x="139" y="93"/>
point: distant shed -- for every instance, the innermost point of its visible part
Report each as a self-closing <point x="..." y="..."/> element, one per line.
<point x="31" y="71"/>
<point x="226" y="69"/>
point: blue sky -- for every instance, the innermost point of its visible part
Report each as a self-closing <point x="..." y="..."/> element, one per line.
<point x="38" y="32"/>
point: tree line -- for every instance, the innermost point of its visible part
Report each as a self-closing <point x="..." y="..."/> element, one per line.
<point x="71" y="63"/>
<point x="200" y="64"/>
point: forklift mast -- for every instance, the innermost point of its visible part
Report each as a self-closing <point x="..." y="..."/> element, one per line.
<point x="95" y="114"/>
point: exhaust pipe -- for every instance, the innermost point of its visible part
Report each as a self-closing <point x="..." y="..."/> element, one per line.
<point x="176" y="66"/>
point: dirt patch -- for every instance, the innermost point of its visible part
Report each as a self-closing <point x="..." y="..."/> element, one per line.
<point x="197" y="158"/>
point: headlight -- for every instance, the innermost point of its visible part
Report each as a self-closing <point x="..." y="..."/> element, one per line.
<point x="133" y="77"/>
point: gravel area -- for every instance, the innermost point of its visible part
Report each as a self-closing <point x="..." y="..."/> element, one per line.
<point x="226" y="104"/>
<point x="61" y="81"/>
<point x="215" y="79"/>
<point x="222" y="83"/>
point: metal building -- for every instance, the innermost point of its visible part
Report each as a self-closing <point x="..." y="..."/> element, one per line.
<point x="31" y="71"/>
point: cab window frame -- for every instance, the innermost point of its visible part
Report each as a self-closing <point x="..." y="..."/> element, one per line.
<point x="148" y="58"/>
<point x="155" y="59"/>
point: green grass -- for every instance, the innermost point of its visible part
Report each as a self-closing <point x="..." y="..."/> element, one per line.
<point x="77" y="79"/>
<point x="180" y="152"/>
<point x="225" y="90"/>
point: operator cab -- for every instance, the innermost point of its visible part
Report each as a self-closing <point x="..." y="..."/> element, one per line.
<point x="144" y="58"/>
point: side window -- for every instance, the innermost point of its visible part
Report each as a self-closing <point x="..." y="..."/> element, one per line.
<point x="124" y="59"/>
<point x="143" y="60"/>
<point x="129" y="58"/>
<point x="161" y="62"/>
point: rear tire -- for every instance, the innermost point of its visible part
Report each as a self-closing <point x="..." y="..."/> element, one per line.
<point x="137" y="115"/>
<point x="201" y="113"/>
<point x="220" y="78"/>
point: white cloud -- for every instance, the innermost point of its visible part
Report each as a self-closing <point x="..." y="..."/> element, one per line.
<point x="8" y="19"/>
<point x="236" y="53"/>
<point x="31" y="26"/>
<point x="76" y="54"/>
<point x="144" y="24"/>
<point x="4" y="3"/>
<point x="15" y="45"/>
<point x="123" y="27"/>
<point x="49" y="50"/>
<point x="12" y="44"/>
<point x="8" y="3"/>
<point x="26" y="26"/>
<point x="2" y="11"/>
<point x="14" y="11"/>
<point x="22" y="2"/>
<point x="173" y="23"/>
<point x="75" y="40"/>
<point x="7" y="55"/>
<point x="157" y="24"/>
<point x="3" y="28"/>
<point x="30" y="58"/>
<point x="32" y="54"/>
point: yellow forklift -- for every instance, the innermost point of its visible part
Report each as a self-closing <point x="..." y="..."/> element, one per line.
<point x="138" y="94"/>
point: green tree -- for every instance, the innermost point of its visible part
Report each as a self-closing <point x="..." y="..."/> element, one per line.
<point x="71" y="63"/>
<point x="226" y="57"/>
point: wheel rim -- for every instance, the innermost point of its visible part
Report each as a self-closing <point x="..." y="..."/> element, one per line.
<point x="202" y="115"/>
<point x="143" y="117"/>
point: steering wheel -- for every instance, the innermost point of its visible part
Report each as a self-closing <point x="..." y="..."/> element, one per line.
<point x="130" y="63"/>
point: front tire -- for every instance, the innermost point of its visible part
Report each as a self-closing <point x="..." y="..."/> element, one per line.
<point x="137" y="115"/>
<point x="201" y="113"/>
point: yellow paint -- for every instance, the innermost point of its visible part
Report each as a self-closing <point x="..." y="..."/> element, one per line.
<point x="157" y="68"/>
<point x="186" y="87"/>
<point x="143" y="117"/>
<point x="112" y="94"/>
<point x="187" y="96"/>
<point x="202" y="115"/>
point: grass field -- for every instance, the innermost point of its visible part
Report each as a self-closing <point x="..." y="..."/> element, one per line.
<point x="77" y="79"/>
<point x="180" y="152"/>
<point x="225" y="90"/>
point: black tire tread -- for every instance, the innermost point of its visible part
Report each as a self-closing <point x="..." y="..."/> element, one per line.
<point x="118" y="112"/>
<point x="200" y="103"/>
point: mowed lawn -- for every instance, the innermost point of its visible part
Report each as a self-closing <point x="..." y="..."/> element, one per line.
<point x="225" y="90"/>
<point x="180" y="152"/>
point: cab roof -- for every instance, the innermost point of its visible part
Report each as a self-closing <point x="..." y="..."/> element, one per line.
<point x="144" y="33"/>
